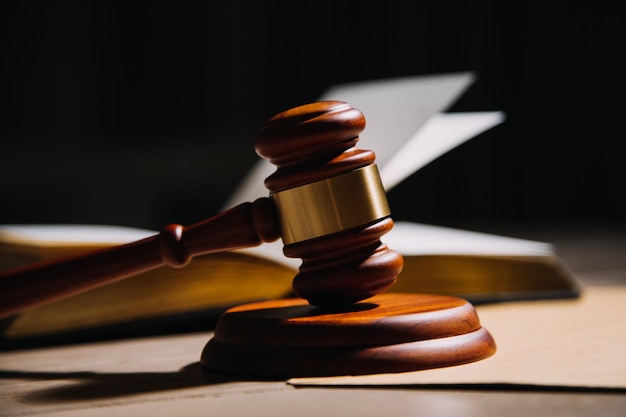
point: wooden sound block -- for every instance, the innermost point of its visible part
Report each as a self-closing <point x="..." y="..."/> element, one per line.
<point x="386" y="333"/>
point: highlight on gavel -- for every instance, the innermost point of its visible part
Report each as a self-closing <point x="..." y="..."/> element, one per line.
<point x="326" y="202"/>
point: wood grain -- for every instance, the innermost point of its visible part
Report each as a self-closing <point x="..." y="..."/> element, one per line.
<point x="386" y="333"/>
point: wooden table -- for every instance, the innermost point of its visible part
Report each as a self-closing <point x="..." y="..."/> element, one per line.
<point x="162" y="376"/>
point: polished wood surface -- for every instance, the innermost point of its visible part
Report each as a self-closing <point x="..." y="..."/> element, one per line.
<point x="386" y="333"/>
<point x="312" y="142"/>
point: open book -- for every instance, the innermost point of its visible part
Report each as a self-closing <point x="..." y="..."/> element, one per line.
<point x="407" y="129"/>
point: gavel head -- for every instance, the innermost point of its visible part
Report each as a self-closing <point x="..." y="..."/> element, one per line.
<point x="331" y="203"/>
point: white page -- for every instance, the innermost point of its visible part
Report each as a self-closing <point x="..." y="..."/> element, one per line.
<point x="71" y="234"/>
<point x="414" y="239"/>
<point x="394" y="110"/>
<point x="411" y="238"/>
<point x="442" y="133"/>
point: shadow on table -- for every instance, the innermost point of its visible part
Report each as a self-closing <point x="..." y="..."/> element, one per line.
<point x="99" y="386"/>
<point x="93" y="386"/>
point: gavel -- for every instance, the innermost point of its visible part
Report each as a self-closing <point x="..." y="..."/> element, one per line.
<point x="326" y="202"/>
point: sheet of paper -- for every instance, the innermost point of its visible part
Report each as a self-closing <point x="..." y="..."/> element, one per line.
<point x="441" y="133"/>
<point x="564" y="343"/>
<point x="411" y="238"/>
<point x="394" y="110"/>
<point x="70" y="234"/>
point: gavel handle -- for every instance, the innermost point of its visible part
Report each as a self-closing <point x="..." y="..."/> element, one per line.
<point x="246" y="225"/>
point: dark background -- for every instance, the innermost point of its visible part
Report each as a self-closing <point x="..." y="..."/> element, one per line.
<point x="145" y="113"/>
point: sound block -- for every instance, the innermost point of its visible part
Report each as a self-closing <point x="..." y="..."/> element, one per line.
<point x="384" y="334"/>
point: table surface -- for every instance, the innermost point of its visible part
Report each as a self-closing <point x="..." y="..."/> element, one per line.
<point x="162" y="375"/>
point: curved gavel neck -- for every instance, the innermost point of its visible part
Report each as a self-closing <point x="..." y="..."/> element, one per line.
<point x="243" y="226"/>
<point x="246" y="225"/>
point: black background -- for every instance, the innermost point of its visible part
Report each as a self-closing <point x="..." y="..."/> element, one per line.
<point x="145" y="113"/>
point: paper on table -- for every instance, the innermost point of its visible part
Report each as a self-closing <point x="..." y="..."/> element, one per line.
<point x="565" y="343"/>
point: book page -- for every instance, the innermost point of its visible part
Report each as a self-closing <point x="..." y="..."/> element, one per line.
<point x="70" y="234"/>
<point x="441" y="133"/>
<point x="394" y="110"/>
<point x="415" y="239"/>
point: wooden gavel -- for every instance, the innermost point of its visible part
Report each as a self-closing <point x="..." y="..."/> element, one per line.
<point x="326" y="202"/>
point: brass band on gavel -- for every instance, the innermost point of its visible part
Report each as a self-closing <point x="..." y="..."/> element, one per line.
<point x="331" y="205"/>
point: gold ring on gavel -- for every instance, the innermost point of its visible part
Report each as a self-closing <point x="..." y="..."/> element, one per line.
<point x="331" y="205"/>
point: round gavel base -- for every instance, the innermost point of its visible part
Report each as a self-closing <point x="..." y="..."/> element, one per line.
<point x="386" y="333"/>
